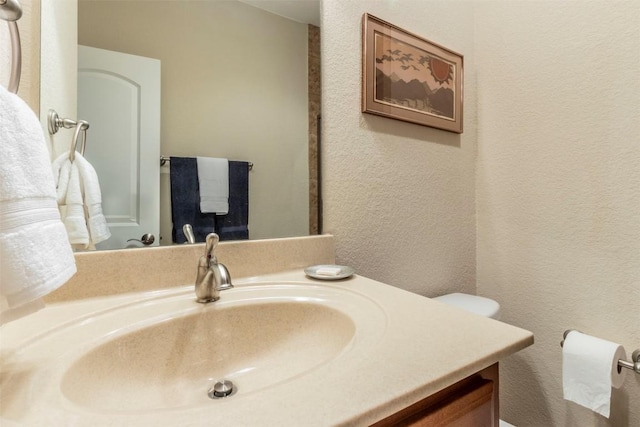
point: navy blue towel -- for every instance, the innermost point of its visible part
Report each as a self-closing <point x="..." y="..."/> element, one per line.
<point x="185" y="201"/>
<point x="234" y="225"/>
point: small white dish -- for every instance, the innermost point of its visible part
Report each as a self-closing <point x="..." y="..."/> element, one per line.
<point x="344" y="272"/>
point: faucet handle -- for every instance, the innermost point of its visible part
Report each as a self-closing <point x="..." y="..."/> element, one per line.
<point x="187" y="229"/>
<point x="211" y="242"/>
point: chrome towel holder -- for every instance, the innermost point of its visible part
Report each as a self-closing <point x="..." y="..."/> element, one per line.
<point x="55" y="123"/>
<point x="634" y="365"/>
<point x="165" y="159"/>
<point x="11" y="11"/>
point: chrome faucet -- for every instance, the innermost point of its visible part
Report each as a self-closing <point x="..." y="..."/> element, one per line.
<point x="212" y="277"/>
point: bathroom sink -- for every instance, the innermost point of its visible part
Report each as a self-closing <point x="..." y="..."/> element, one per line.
<point x="174" y="362"/>
<point x="166" y="352"/>
<point x="299" y="351"/>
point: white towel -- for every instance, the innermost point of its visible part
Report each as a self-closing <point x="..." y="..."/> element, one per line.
<point x="96" y="221"/>
<point x="80" y="201"/>
<point x="35" y="255"/>
<point x="61" y="168"/>
<point x="70" y="203"/>
<point x="213" y="177"/>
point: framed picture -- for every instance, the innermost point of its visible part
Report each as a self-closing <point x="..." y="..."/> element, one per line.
<point x="406" y="77"/>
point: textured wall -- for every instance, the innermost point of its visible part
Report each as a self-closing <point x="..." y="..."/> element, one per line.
<point x="558" y="179"/>
<point x="398" y="197"/>
<point x="58" y="67"/>
<point x="558" y="190"/>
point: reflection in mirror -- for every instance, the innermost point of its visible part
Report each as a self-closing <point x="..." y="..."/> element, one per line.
<point x="237" y="82"/>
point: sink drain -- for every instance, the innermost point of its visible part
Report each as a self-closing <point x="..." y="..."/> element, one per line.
<point x="221" y="389"/>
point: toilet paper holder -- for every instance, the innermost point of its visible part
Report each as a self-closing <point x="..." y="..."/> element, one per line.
<point x="634" y="365"/>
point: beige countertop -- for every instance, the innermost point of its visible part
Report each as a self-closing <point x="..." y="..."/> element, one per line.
<point x="419" y="347"/>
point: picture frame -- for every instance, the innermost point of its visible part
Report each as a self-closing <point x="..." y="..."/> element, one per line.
<point x="406" y="77"/>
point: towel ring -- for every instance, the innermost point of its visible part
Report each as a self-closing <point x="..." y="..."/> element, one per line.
<point x="10" y="11"/>
<point x="81" y="127"/>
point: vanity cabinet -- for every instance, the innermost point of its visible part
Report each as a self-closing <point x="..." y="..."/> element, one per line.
<point x="471" y="402"/>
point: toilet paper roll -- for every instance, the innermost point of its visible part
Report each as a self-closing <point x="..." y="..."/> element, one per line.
<point x="590" y="370"/>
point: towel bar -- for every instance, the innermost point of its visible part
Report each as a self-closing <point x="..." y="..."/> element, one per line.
<point x="165" y="159"/>
<point x="634" y="365"/>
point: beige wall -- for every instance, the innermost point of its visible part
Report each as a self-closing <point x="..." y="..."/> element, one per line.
<point x="234" y="85"/>
<point x="557" y="183"/>
<point x="399" y="198"/>
<point x="58" y="69"/>
<point x="558" y="190"/>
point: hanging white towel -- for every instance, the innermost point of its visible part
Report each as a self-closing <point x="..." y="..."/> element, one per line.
<point x="61" y="168"/>
<point x="92" y="196"/>
<point x="70" y="203"/>
<point x="213" y="177"/>
<point x="35" y="255"/>
<point x="80" y="201"/>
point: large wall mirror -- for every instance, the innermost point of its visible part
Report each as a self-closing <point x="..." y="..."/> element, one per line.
<point x="237" y="82"/>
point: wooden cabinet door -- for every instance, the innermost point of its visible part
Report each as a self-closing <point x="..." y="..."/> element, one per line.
<point x="471" y="402"/>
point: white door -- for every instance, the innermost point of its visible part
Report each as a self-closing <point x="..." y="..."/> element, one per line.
<point x="119" y="95"/>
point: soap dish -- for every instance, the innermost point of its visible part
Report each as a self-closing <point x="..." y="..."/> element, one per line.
<point x="329" y="272"/>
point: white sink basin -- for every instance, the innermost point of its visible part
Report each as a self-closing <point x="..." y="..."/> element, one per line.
<point x="173" y="363"/>
<point x="165" y="352"/>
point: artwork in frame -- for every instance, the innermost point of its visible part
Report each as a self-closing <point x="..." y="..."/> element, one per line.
<point x="406" y="77"/>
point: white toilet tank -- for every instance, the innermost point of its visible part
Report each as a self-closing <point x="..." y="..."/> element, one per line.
<point x="479" y="305"/>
